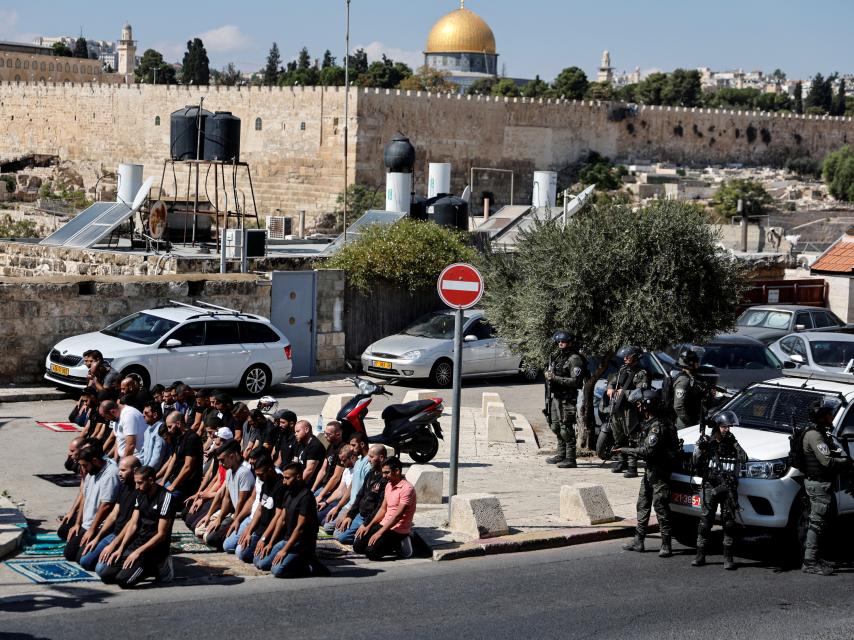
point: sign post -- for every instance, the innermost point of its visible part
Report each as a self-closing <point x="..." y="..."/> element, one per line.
<point x="460" y="287"/>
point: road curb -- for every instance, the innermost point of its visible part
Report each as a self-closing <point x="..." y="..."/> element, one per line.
<point x="13" y="526"/>
<point x="536" y="540"/>
<point x="35" y="394"/>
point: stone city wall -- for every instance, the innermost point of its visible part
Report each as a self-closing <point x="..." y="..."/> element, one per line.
<point x="296" y="149"/>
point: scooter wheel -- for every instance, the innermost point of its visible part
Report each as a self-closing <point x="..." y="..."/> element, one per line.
<point x="425" y="449"/>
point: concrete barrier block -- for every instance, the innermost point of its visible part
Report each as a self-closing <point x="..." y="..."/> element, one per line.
<point x="499" y="426"/>
<point x="333" y="405"/>
<point x="487" y="398"/>
<point x="428" y="482"/>
<point x="420" y="394"/>
<point x="585" y="503"/>
<point x="478" y="515"/>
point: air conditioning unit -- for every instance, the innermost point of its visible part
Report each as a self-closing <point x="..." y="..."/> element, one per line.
<point x="278" y="227"/>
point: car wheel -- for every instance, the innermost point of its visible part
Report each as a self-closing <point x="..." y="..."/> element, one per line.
<point x="529" y="373"/>
<point x="683" y="529"/>
<point x="256" y="380"/>
<point x="796" y="529"/>
<point x="425" y="449"/>
<point x="141" y="372"/>
<point x="442" y="374"/>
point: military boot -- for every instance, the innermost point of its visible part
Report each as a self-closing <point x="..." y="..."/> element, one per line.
<point x="666" y="550"/>
<point x="817" y="568"/>
<point x="635" y="545"/>
<point x="560" y="456"/>
<point x="620" y="465"/>
<point x="631" y="468"/>
<point x="700" y="558"/>
<point x="569" y="462"/>
<point x="729" y="563"/>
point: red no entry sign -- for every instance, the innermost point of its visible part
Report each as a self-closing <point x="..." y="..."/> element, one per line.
<point x="460" y="286"/>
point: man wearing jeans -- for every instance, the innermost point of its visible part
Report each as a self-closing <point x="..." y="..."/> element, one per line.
<point x="388" y="531"/>
<point x="368" y="499"/>
<point x="239" y="487"/>
<point x="252" y="529"/>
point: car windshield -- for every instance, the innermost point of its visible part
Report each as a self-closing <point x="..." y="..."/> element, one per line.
<point x="738" y="356"/>
<point x="832" y="353"/>
<point x="433" y="325"/>
<point x="765" y="318"/>
<point x="774" y="408"/>
<point x="142" y="328"/>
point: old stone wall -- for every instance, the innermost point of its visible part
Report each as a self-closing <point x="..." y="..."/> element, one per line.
<point x="329" y="309"/>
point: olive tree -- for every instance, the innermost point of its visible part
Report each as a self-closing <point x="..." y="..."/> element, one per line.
<point x="614" y="275"/>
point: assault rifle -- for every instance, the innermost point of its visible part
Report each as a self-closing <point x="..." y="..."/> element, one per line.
<point x="549" y="370"/>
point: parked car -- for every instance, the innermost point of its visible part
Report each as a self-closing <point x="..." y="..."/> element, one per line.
<point x="817" y="351"/>
<point x="739" y="360"/>
<point x="658" y="363"/>
<point x="199" y="345"/>
<point x="771" y="322"/>
<point x="771" y="494"/>
<point x="425" y="349"/>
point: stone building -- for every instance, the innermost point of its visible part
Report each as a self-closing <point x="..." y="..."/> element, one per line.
<point x="606" y="71"/>
<point x="462" y="44"/>
<point x="32" y="63"/>
<point x="126" y="55"/>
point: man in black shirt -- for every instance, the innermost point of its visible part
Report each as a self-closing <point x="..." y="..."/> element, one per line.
<point x="281" y="440"/>
<point x="308" y="452"/>
<point x="255" y="433"/>
<point x="183" y="472"/>
<point x="368" y="500"/>
<point x="142" y="549"/>
<point x="100" y="545"/>
<point x="271" y="481"/>
<point x="331" y="472"/>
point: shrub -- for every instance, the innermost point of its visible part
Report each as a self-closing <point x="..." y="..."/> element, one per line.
<point x="838" y="173"/>
<point x="755" y="198"/>
<point x="17" y="228"/>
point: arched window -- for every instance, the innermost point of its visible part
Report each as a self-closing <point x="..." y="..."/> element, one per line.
<point x="156" y="121"/>
<point x="302" y="126"/>
<point x="43" y="66"/>
<point x="2" y="62"/>
<point x="257" y="124"/>
<point x="26" y="64"/>
<point x="67" y="67"/>
<point x="75" y="68"/>
<point x="50" y="67"/>
<point x="17" y="63"/>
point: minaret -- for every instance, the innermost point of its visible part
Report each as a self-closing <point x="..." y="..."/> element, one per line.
<point x="606" y="71"/>
<point x="127" y="54"/>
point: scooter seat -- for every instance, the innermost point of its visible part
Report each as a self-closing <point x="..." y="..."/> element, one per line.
<point x="398" y="411"/>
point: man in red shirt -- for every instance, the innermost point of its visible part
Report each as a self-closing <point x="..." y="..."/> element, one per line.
<point x="388" y="532"/>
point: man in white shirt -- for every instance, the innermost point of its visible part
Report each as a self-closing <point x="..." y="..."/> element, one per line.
<point x="130" y="426"/>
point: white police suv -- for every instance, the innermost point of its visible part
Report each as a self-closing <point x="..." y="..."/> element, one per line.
<point x="199" y="344"/>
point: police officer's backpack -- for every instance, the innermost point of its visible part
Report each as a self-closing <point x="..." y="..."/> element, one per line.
<point x="796" y="459"/>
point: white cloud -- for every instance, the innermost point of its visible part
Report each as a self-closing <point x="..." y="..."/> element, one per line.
<point x="376" y="49"/>
<point x="8" y="20"/>
<point x="171" y="51"/>
<point x="224" y="39"/>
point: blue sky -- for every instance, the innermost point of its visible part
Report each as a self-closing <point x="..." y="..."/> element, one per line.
<point x="533" y="37"/>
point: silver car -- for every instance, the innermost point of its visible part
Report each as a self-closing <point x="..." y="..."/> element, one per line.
<point x="425" y="349"/>
<point x="817" y="351"/>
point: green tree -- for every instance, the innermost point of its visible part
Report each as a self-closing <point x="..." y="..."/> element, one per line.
<point x="482" y="87"/>
<point x="300" y="77"/>
<point x="754" y="196"/>
<point x="196" y="66"/>
<point x="360" y="198"/>
<point x="81" y="50"/>
<point x="384" y="74"/>
<point x="627" y="93"/>
<point x="303" y="59"/>
<point x="571" y="83"/>
<point x="799" y="98"/>
<point x="615" y="275"/>
<point x="61" y="50"/>
<point x="229" y="76"/>
<point x="332" y="76"/>
<point x="536" y="88"/>
<point x="273" y="67"/>
<point x="328" y="60"/>
<point x="839" y="104"/>
<point x="507" y="88"/>
<point x="602" y="172"/>
<point x="821" y="94"/>
<point x="683" y="89"/>
<point x="600" y="91"/>
<point x="358" y="63"/>
<point x="410" y="254"/>
<point x="773" y="102"/>
<point x="838" y="174"/>
<point x="651" y="89"/>
<point x="152" y="67"/>
<point x="778" y="76"/>
<point x="429" y="79"/>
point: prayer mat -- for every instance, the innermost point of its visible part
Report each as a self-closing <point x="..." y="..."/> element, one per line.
<point x="42" y="545"/>
<point x="50" y="571"/>
<point x="59" y="426"/>
<point x="334" y="550"/>
<point x="187" y="542"/>
<point x="322" y="535"/>
<point x="61" y="479"/>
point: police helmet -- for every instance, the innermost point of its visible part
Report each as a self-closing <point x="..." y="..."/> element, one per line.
<point x="825" y="406"/>
<point x="561" y="335"/>
<point x="628" y="352"/>
<point x="649" y="399"/>
<point x="687" y="357"/>
<point x="724" y="418"/>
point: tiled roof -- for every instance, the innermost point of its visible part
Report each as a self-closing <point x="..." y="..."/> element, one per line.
<point x="839" y="258"/>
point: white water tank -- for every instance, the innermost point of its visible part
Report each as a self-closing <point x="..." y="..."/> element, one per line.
<point x="398" y="192"/>
<point x="545" y="189"/>
<point x="129" y="182"/>
<point x="438" y="179"/>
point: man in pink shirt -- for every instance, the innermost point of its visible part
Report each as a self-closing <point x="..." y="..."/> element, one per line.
<point x="388" y="532"/>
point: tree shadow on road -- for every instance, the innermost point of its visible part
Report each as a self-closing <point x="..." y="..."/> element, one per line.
<point x="70" y="598"/>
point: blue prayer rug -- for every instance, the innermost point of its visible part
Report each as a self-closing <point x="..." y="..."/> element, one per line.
<point x="50" y="571"/>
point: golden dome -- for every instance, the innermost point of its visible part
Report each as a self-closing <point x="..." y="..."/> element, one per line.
<point x="461" y="31"/>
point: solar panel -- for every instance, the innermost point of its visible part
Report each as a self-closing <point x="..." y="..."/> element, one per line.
<point x="100" y="227"/>
<point x="353" y="231"/>
<point x="77" y="223"/>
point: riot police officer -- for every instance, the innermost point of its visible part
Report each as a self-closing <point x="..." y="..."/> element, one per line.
<point x="718" y="459"/>
<point x="659" y="448"/>
<point x="821" y="462"/>
<point x="564" y="378"/>
<point x="688" y="392"/>
<point x="624" y="415"/>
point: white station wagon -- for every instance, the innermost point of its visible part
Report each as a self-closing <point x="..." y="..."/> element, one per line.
<point x="200" y="345"/>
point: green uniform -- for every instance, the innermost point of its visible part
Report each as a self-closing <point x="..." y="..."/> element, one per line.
<point x="687" y="400"/>
<point x="569" y="370"/>
<point x="822" y="462"/>
<point x="659" y="447"/>
<point x="719" y="463"/>
<point x="625" y="416"/>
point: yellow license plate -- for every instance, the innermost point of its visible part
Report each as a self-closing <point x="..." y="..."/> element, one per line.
<point x="63" y="371"/>
<point x="382" y="365"/>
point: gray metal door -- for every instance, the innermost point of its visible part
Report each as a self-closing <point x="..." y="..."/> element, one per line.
<point x="293" y="310"/>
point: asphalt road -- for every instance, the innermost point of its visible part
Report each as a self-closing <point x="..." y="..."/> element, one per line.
<point x="594" y="590"/>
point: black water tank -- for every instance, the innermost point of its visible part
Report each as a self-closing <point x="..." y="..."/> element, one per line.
<point x="222" y="137"/>
<point x="418" y="207"/>
<point x="450" y="211"/>
<point x="399" y="155"/>
<point x="184" y="133"/>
